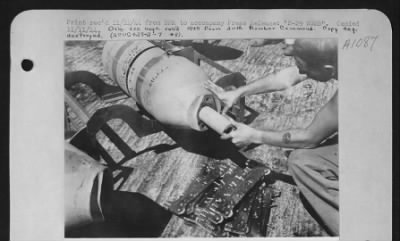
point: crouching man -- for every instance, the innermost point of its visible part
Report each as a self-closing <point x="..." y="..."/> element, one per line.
<point x="313" y="166"/>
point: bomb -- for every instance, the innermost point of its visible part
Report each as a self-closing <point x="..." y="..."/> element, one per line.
<point x="87" y="185"/>
<point x="170" y="88"/>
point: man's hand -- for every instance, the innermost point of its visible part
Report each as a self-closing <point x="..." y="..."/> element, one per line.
<point x="229" y="98"/>
<point x="242" y="136"/>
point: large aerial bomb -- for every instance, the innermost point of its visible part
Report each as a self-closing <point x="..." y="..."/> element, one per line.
<point x="88" y="185"/>
<point x="170" y="88"/>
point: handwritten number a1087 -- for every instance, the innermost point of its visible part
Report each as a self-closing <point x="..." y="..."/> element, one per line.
<point x="365" y="42"/>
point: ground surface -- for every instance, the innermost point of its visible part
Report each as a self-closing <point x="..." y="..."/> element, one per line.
<point x="164" y="176"/>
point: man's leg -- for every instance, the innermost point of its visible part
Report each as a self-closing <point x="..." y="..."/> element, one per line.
<point x="316" y="173"/>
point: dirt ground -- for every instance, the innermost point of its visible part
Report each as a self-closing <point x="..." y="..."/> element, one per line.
<point x="164" y="176"/>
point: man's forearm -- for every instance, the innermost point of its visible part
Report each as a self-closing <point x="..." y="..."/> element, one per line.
<point x="273" y="82"/>
<point x="324" y="124"/>
<point x="298" y="138"/>
<point x="262" y="85"/>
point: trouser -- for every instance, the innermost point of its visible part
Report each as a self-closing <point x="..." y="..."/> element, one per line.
<point x="316" y="173"/>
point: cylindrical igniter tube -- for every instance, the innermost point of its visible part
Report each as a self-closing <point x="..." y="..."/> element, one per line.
<point x="215" y="120"/>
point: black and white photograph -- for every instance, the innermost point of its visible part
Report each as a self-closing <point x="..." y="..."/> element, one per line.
<point x="201" y="138"/>
<point x="170" y="124"/>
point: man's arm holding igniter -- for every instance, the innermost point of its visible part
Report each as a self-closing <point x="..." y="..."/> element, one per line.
<point x="323" y="125"/>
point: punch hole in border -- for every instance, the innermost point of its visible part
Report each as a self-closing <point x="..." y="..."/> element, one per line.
<point x="27" y="65"/>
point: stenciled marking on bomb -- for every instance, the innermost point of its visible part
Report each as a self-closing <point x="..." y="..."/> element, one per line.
<point x="145" y="98"/>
